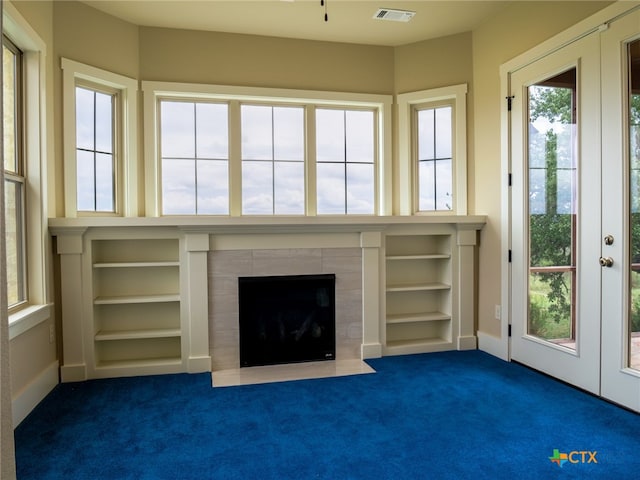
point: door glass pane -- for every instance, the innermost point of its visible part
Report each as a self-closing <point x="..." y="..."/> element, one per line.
<point x="552" y="166"/>
<point x="634" y="207"/>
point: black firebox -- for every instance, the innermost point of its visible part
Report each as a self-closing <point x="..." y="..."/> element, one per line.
<point x="287" y="319"/>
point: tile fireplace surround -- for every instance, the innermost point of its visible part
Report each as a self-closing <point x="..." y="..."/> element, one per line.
<point x="106" y="335"/>
<point x="226" y="266"/>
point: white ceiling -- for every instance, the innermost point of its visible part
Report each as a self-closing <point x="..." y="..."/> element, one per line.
<point x="349" y="21"/>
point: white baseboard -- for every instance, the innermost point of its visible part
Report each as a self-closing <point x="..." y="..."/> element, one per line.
<point x="468" y="343"/>
<point x="371" y="350"/>
<point x="31" y="395"/>
<point x="199" y="364"/>
<point x="495" y="346"/>
<point x="73" y="373"/>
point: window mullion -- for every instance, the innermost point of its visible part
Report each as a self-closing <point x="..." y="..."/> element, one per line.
<point x="235" y="159"/>
<point x="311" y="187"/>
<point x="195" y="155"/>
<point x="346" y="206"/>
<point x="273" y="162"/>
<point x="435" y="170"/>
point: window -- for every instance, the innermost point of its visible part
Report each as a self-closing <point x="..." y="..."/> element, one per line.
<point x="99" y="115"/>
<point x="434" y="157"/>
<point x="95" y="150"/>
<point x="273" y="160"/>
<point x="195" y="158"/>
<point x="432" y="173"/>
<point x="265" y="151"/>
<point x="14" y="171"/>
<point x="345" y="161"/>
<point x="25" y="169"/>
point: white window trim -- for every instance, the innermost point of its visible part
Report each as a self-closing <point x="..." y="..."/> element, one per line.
<point x="30" y="313"/>
<point x="407" y="172"/>
<point x="126" y="188"/>
<point x="153" y="91"/>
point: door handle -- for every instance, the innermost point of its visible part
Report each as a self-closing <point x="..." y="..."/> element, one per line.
<point x="606" y="262"/>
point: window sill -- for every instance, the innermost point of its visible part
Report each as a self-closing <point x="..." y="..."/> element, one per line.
<point x="27" y="318"/>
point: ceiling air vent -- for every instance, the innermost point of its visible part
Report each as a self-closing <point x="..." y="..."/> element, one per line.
<point x="393" y="15"/>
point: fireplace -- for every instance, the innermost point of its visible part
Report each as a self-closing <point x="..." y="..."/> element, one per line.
<point x="286" y="319"/>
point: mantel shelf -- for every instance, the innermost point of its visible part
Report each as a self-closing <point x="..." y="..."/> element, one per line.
<point x="247" y="224"/>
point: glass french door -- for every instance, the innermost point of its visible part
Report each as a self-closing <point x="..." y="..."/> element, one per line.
<point x="620" y="371"/>
<point x="555" y="201"/>
<point x="575" y="221"/>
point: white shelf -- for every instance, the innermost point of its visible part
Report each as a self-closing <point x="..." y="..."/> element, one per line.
<point x="106" y="335"/>
<point x="417" y="341"/>
<point x="417" y="317"/>
<point x="418" y="287"/>
<point x="418" y="345"/>
<point x="140" y="363"/>
<point x="129" y="299"/>
<point x="135" y="264"/>
<point x="434" y="256"/>
<point x="136" y="306"/>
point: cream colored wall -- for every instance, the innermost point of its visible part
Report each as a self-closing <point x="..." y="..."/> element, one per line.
<point x="433" y="63"/>
<point x="87" y="35"/>
<point x="246" y="60"/>
<point x="515" y="30"/>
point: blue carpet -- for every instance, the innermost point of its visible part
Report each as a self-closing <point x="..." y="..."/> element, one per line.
<point x="453" y="415"/>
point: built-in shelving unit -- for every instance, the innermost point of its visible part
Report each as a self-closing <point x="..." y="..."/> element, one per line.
<point x="138" y="294"/>
<point x="136" y="304"/>
<point x="418" y="293"/>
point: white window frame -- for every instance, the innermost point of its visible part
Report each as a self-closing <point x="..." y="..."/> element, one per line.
<point x="455" y="95"/>
<point x="36" y="309"/>
<point x="154" y="91"/>
<point x="126" y="172"/>
<point x="18" y="177"/>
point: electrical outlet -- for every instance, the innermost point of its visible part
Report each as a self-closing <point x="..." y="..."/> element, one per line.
<point x="498" y="312"/>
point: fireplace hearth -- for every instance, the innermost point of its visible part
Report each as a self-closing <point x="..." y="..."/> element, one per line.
<point x="286" y="319"/>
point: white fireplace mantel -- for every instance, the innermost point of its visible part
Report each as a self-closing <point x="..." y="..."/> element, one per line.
<point x="269" y="224"/>
<point x="87" y="337"/>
